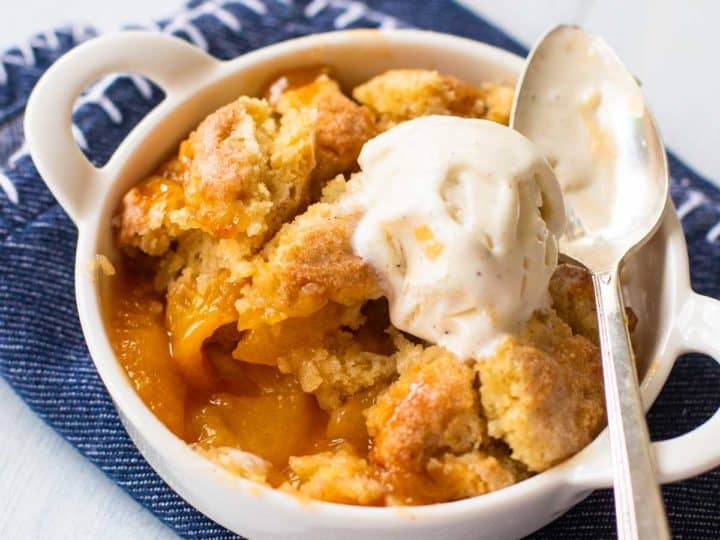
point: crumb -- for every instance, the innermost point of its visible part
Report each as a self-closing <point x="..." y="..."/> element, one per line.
<point x="338" y="476"/>
<point x="474" y="473"/>
<point x="103" y="263"/>
<point x="237" y="462"/>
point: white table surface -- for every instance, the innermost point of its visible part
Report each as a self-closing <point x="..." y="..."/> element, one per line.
<point x="49" y="491"/>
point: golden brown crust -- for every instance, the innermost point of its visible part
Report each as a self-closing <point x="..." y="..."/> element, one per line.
<point x="433" y="406"/>
<point x="542" y="392"/>
<point x="403" y="94"/>
<point x="248" y="175"/>
<point x="243" y="174"/>
<point x="309" y="263"/>
<point x="430" y="441"/>
<point x="342" y="126"/>
<point x="226" y="191"/>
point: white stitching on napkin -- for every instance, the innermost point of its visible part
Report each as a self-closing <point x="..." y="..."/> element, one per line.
<point x="695" y="199"/>
<point x="9" y="59"/>
<point x="79" y="137"/>
<point x="225" y="16"/>
<point x="80" y="33"/>
<point x="47" y="39"/>
<point x="714" y="233"/>
<point x="352" y="10"/>
<point x="254" y="5"/>
<point x="5" y="183"/>
<point x="95" y="95"/>
<point x="18" y="154"/>
<point x="27" y="53"/>
<point x="9" y="188"/>
<point x="142" y="85"/>
<point x="315" y="7"/>
<point x="183" y="21"/>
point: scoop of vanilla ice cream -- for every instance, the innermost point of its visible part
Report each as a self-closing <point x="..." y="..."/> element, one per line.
<point x="461" y="220"/>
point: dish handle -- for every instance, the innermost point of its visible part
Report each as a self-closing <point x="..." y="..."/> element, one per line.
<point x="170" y="62"/>
<point x="697" y="328"/>
<point x="698" y="451"/>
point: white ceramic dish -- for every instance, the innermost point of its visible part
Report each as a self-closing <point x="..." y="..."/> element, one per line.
<point x="673" y="319"/>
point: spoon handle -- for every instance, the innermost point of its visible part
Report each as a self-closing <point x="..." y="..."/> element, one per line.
<point x="638" y="503"/>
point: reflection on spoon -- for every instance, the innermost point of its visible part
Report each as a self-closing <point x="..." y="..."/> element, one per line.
<point x="589" y="118"/>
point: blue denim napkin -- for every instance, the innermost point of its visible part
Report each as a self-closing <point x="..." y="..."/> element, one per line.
<point x="42" y="352"/>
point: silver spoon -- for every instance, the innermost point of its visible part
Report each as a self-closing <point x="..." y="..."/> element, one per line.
<point x="579" y="103"/>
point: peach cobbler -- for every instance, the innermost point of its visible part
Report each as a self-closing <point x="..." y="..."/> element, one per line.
<point x="252" y="328"/>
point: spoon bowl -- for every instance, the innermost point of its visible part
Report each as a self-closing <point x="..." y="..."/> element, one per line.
<point x="586" y="112"/>
<point x="580" y="105"/>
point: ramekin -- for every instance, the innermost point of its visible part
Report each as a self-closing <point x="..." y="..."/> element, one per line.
<point x="673" y="319"/>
